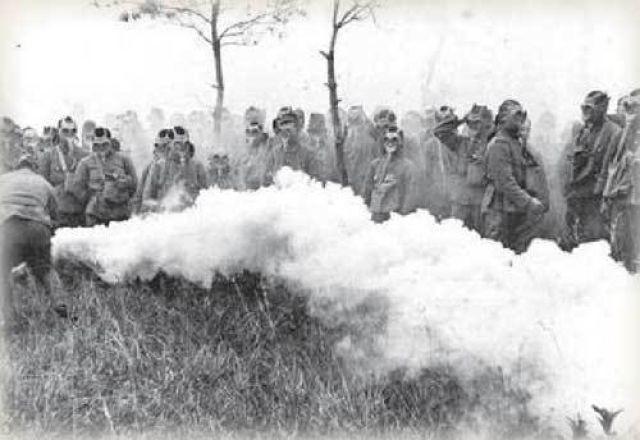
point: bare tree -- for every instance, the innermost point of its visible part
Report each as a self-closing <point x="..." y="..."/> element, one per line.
<point x="217" y="26"/>
<point x="357" y="11"/>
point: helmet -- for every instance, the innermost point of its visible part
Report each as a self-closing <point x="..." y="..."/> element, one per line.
<point x="286" y="114"/>
<point x="67" y="125"/>
<point x="384" y="117"/>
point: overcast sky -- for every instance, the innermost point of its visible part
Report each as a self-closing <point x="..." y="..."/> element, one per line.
<point x="71" y="54"/>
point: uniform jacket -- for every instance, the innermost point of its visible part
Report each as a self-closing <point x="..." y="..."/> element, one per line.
<point x="52" y="168"/>
<point x="290" y="154"/>
<point x="587" y="172"/>
<point x="251" y="168"/>
<point x="506" y="172"/>
<point x="107" y="187"/>
<point x="27" y="195"/>
<point x="466" y="165"/>
<point x="622" y="164"/>
<point x="388" y="184"/>
<point x="166" y="174"/>
<point x="360" y="148"/>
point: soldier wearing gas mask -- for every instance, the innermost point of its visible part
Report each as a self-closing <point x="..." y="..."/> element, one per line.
<point x="587" y="175"/>
<point x="160" y="148"/>
<point x="285" y="148"/>
<point x="621" y="194"/>
<point x="360" y="147"/>
<point x="389" y="179"/>
<point x="177" y="179"/>
<point x="250" y="170"/>
<point x="58" y="165"/>
<point x="466" y="162"/>
<point x="106" y="180"/>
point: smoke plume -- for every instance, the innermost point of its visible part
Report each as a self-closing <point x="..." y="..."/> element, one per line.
<point x="562" y="324"/>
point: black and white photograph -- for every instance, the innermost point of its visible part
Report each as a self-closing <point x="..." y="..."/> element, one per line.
<point x="320" y="219"/>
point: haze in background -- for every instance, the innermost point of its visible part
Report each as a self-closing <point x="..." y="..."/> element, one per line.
<point x="74" y="58"/>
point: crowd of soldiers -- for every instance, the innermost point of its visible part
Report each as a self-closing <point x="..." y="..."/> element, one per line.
<point x="478" y="168"/>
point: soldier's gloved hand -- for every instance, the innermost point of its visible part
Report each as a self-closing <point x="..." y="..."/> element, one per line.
<point x="537" y="207"/>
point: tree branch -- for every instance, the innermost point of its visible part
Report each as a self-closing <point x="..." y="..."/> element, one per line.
<point x="187" y="11"/>
<point x="237" y="43"/>
<point x="195" y="28"/>
<point x="241" y="26"/>
<point x="357" y="12"/>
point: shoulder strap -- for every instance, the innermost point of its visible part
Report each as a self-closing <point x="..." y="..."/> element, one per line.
<point x="63" y="164"/>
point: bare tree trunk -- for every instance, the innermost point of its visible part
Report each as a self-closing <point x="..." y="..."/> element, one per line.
<point x="217" y="56"/>
<point x="338" y="132"/>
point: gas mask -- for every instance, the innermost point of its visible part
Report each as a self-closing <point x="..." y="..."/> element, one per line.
<point x="102" y="149"/>
<point x="30" y="139"/>
<point x="514" y="120"/>
<point x="287" y="130"/>
<point x="68" y="130"/>
<point x="391" y="142"/>
<point x="252" y="133"/>
<point x="591" y="113"/>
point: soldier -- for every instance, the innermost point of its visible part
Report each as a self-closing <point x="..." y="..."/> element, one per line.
<point x="106" y="180"/>
<point x="388" y="181"/>
<point x="586" y="172"/>
<point x="68" y="131"/>
<point x="383" y="118"/>
<point x="414" y="150"/>
<point x="30" y="141"/>
<point x="619" y="116"/>
<point x="10" y="145"/>
<point x="160" y="149"/>
<point x="387" y="185"/>
<point x="175" y="182"/>
<point x="27" y="208"/>
<point x="511" y="212"/>
<point x="437" y="168"/>
<point x="58" y="165"/>
<point x="621" y="194"/>
<point x="251" y="166"/>
<point x="466" y="162"/>
<point x="87" y="135"/>
<point x="360" y="148"/>
<point x="285" y="148"/>
<point x="319" y="143"/>
<point x="303" y="137"/>
<point x="219" y="171"/>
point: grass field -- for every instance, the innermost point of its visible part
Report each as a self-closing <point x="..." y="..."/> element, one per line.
<point x="239" y="358"/>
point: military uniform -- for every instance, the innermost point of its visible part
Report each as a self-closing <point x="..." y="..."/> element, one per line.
<point x="507" y="204"/>
<point x="586" y="180"/>
<point x="27" y="209"/>
<point x="106" y="187"/>
<point x="57" y="166"/>
<point x="290" y="153"/>
<point x="360" y="149"/>
<point x="388" y="186"/>
<point x="251" y="167"/>
<point x="169" y="175"/>
<point x="621" y="195"/>
<point x="466" y="181"/>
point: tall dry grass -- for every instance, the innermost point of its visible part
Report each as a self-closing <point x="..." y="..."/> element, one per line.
<point x="241" y="358"/>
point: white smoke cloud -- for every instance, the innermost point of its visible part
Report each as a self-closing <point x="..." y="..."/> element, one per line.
<point x="562" y="324"/>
